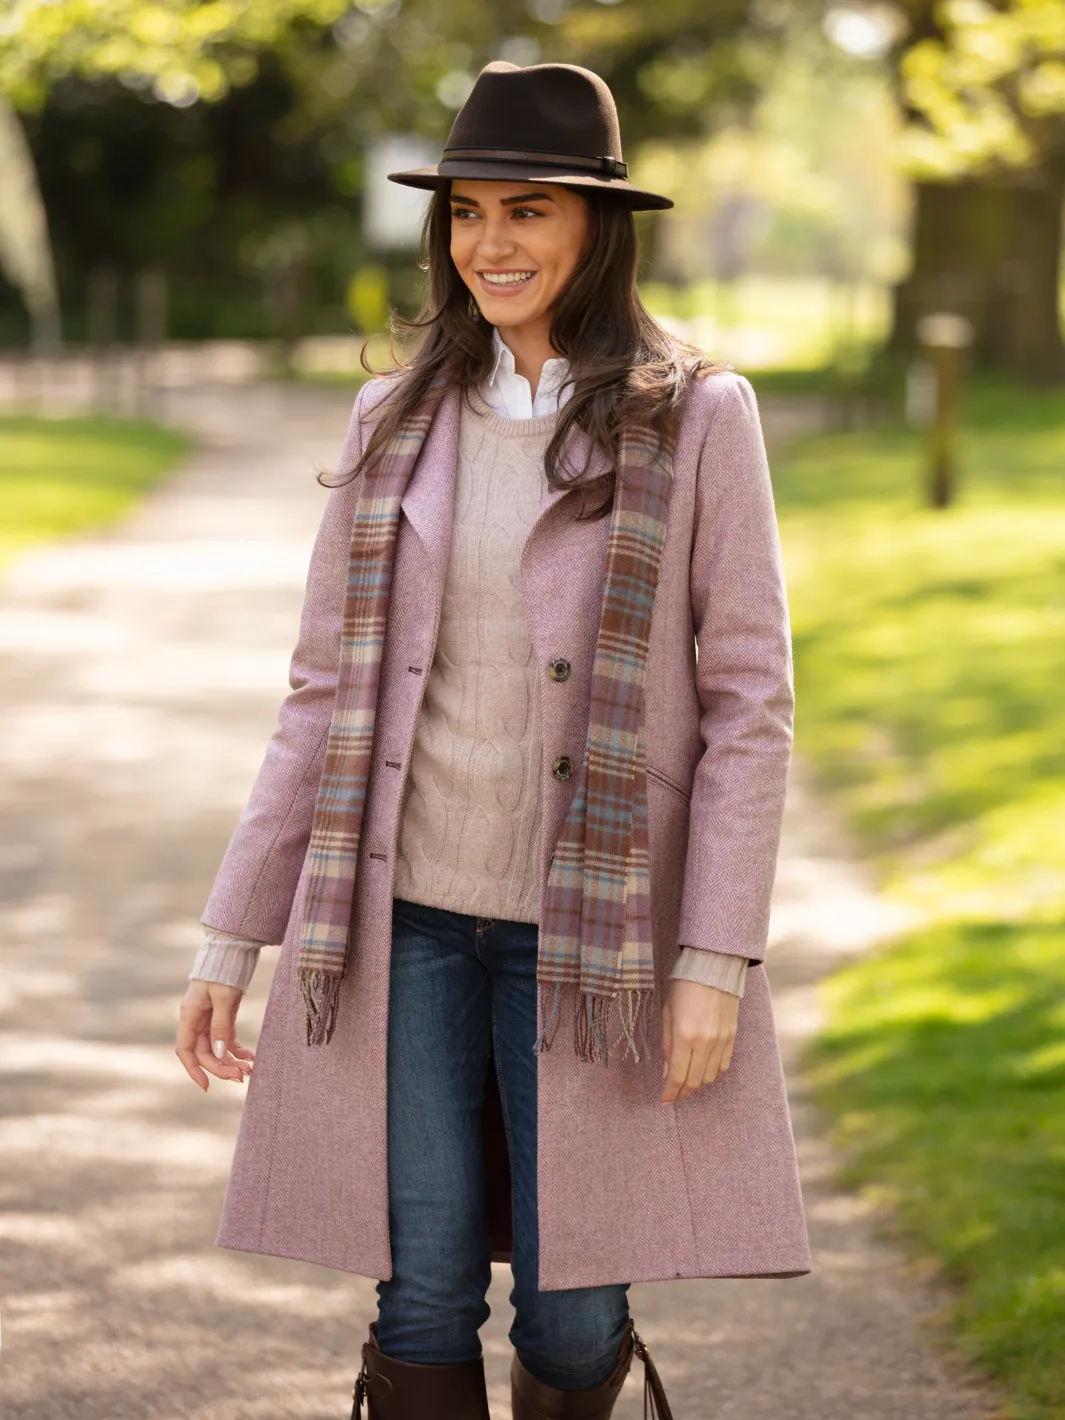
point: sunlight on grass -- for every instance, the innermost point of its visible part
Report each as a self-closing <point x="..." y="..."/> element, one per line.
<point x="944" y="1064"/>
<point x="59" y="477"/>
<point x="930" y="648"/>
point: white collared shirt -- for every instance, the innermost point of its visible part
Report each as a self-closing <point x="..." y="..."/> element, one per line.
<point x="510" y="394"/>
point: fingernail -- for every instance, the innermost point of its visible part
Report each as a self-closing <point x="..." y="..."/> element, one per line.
<point x="219" y="1049"/>
<point x="665" y="1068"/>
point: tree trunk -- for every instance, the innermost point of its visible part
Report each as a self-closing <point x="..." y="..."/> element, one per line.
<point x="991" y="251"/>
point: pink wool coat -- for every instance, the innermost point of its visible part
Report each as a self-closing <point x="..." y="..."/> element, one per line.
<point x="629" y="1189"/>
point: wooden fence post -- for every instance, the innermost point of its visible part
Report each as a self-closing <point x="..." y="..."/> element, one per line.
<point x="944" y="336"/>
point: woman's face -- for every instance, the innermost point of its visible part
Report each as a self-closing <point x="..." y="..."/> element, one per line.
<point x="516" y="245"/>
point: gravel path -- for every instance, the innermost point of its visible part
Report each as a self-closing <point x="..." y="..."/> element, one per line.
<point x="141" y="676"/>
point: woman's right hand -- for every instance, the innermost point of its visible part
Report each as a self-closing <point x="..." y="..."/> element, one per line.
<point x="208" y="1018"/>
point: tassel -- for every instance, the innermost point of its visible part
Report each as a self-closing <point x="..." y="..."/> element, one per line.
<point x="550" y="1014"/>
<point x="321" y="996"/>
<point x="363" y="1381"/>
<point x="633" y="1023"/>
<point x="589" y="1022"/>
<point x="358" y="1395"/>
<point x="591" y="1016"/>
<point x="655" y="1404"/>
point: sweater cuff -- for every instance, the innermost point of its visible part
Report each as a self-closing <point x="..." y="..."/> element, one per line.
<point x="721" y="969"/>
<point x="226" y="959"/>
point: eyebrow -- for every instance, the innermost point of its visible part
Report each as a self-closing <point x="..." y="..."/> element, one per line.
<point x="508" y="201"/>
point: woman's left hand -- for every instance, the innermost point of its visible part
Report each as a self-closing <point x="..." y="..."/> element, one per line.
<point x="698" y="1031"/>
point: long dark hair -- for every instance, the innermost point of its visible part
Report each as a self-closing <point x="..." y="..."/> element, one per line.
<point x="624" y="367"/>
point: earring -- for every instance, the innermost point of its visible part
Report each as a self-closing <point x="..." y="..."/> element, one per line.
<point x="473" y="310"/>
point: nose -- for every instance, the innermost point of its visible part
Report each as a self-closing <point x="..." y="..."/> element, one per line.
<point x="496" y="242"/>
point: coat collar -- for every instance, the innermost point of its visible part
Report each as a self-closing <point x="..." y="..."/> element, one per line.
<point x="428" y="502"/>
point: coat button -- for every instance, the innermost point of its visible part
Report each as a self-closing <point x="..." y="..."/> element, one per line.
<point x="558" y="669"/>
<point x="562" y="767"/>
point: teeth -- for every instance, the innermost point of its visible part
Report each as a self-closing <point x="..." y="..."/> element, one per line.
<point x="507" y="278"/>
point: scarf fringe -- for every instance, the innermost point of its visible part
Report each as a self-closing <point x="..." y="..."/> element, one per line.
<point x="321" y="996"/>
<point x="591" y="1015"/>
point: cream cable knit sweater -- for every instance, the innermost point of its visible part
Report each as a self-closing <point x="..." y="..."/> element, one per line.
<point x="470" y="817"/>
<point x="470" y="825"/>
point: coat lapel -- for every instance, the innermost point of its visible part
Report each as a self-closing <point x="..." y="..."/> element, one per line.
<point x="429" y="500"/>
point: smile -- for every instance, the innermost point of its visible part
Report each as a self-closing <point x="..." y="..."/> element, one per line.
<point x="505" y="282"/>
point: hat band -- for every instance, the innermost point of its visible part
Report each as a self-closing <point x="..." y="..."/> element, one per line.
<point x="613" y="167"/>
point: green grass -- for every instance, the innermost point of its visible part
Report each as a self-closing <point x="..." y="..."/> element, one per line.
<point x="930" y="657"/>
<point x="60" y="477"/>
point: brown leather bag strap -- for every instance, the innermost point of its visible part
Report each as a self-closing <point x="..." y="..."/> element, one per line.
<point x="655" y="1404"/>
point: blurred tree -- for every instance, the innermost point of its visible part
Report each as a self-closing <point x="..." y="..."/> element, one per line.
<point x="788" y="184"/>
<point x="677" y="67"/>
<point x="71" y="55"/>
<point x="179" y="133"/>
<point x="25" y="250"/>
<point x="984" y="88"/>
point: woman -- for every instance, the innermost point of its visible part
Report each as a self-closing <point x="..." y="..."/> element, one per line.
<point x="528" y="784"/>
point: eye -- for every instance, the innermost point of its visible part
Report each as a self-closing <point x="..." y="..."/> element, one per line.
<point x="527" y="212"/>
<point x="462" y="212"/>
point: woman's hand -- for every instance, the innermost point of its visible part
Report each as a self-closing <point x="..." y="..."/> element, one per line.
<point x="209" y="1018"/>
<point x="698" y="1031"/>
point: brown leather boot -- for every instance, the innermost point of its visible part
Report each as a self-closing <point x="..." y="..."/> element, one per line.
<point x="402" y="1390"/>
<point x="532" y="1400"/>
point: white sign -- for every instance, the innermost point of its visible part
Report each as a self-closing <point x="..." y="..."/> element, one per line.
<point x="392" y="212"/>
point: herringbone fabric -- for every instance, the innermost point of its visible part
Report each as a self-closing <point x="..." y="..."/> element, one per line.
<point x="595" y="948"/>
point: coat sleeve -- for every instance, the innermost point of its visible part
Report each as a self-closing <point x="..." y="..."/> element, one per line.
<point x="745" y="686"/>
<point x="256" y="883"/>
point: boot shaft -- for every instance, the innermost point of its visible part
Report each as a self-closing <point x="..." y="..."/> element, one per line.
<point x="403" y="1390"/>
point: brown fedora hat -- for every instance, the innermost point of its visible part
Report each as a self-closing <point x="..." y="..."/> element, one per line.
<point x="538" y="123"/>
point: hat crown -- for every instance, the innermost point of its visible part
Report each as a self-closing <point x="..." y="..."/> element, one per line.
<point x="545" y="108"/>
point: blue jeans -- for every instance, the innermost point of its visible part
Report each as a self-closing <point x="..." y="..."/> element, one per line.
<point x="461" y="987"/>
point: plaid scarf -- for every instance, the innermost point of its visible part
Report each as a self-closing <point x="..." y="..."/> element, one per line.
<point x="595" y="921"/>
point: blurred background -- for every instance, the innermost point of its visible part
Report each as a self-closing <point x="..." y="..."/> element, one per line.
<point x="192" y="171"/>
<point x="196" y="240"/>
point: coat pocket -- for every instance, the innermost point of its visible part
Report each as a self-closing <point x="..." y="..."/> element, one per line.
<point x="678" y="789"/>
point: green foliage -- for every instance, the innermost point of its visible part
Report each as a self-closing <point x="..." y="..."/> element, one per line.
<point x="929" y="656"/>
<point x="182" y="49"/>
<point x="991" y="88"/>
<point x="59" y="477"/>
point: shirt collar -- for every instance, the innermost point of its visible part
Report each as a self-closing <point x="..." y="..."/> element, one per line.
<point x="552" y="375"/>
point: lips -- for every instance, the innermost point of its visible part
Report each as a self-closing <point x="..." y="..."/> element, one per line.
<point x="506" y="283"/>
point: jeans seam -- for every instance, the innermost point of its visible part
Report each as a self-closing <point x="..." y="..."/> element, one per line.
<point x="504" y="1110"/>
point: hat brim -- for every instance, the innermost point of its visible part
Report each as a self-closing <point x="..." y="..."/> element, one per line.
<point x="438" y="173"/>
